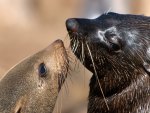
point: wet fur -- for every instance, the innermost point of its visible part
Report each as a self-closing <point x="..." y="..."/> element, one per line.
<point x="121" y="79"/>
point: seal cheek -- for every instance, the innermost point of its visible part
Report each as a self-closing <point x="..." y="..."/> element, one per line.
<point x="41" y="84"/>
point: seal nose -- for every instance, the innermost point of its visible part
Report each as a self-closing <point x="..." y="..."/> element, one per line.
<point x="72" y="25"/>
<point x="56" y="45"/>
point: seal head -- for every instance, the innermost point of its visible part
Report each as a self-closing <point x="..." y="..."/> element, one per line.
<point x="115" y="48"/>
<point x="32" y="85"/>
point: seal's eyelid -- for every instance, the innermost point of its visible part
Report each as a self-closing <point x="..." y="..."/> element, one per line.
<point x="42" y="70"/>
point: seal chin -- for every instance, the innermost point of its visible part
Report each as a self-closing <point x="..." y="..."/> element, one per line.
<point x="61" y="80"/>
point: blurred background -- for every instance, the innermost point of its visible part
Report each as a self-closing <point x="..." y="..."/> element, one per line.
<point x="27" y="26"/>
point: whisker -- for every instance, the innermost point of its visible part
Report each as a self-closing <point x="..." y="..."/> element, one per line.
<point x="76" y="46"/>
<point x="97" y="76"/>
<point x="70" y="79"/>
<point x="67" y="88"/>
<point x="64" y="39"/>
<point x="83" y="57"/>
<point x="107" y="11"/>
<point x="73" y="46"/>
<point x="61" y="102"/>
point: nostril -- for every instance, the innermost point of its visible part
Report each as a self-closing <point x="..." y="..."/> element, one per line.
<point x="72" y="25"/>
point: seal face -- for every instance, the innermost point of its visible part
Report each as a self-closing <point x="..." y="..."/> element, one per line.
<point x="115" y="47"/>
<point x="32" y="86"/>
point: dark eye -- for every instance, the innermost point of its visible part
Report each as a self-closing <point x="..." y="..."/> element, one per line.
<point x="42" y="70"/>
<point x="115" y="47"/>
<point x="115" y="44"/>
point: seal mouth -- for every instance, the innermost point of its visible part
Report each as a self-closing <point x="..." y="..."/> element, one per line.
<point x="81" y="48"/>
<point x="59" y="61"/>
<point x="63" y="75"/>
<point x="61" y="80"/>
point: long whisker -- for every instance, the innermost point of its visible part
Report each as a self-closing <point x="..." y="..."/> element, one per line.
<point x="107" y="11"/>
<point x="97" y="76"/>
<point x="77" y="44"/>
<point x="60" y="108"/>
<point x="67" y="35"/>
<point x="74" y="45"/>
<point x="67" y="91"/>
<point x="66" y="39"/>
<point x="83" y="58"/>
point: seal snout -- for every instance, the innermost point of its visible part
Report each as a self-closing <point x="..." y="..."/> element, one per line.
<point x="72" y="25"/>
<point x="59" y="42"/>
<point x="56" y="45"/>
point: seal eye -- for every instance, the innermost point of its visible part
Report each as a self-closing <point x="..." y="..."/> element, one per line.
<point x="42" y="70"/>
<point x="115" y="44"/>
<point x="114" y="41"/>
<point x="115" y="47"/>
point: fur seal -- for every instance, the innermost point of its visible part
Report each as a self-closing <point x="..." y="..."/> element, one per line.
<point x="32" y="86"/>
<point x="116" y="49"/>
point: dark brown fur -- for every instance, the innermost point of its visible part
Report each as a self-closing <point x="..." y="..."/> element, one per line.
<point x="116" y="48"/>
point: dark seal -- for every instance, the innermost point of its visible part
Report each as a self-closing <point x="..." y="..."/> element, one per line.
<point x="116" y="49"/>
